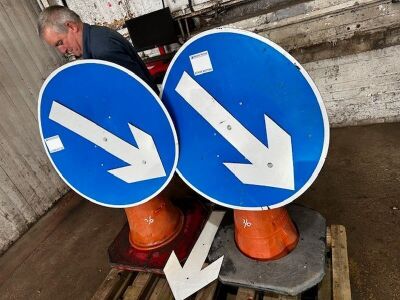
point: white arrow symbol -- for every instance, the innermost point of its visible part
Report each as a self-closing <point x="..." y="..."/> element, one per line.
<point x="144" y="161"/>
<point x="191" y="278"/>
<point x="272" y="166"/>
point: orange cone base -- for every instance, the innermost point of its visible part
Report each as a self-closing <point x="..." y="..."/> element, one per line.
<point x="154" y="223"/>
<point x="153" y="257"/>
<point x="265" y="235"/>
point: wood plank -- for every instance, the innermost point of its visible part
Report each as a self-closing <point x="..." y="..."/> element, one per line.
<point x="208" y="292"/>
<point x="139" y="286"/>
<point x="272" y="296"/>
<point x="125" y="283"/>
<point x="340" y="264"/>
<point x="161" y="291"/>
<point x="111" y="283"/>
<point x="325" y="286"/>
<point x="328" y="238"/>
<point x="245" y="294"/>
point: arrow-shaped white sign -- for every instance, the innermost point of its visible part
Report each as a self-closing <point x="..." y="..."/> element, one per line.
<point x="144" y="161"/>
<point x="191" y="278"/>
<point x="269" y="166"/>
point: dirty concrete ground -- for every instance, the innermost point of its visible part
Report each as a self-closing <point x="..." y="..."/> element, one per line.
<point x="64" y="255"/>
<point x="359" y="187"/>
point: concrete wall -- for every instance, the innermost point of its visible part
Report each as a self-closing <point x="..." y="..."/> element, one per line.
<point x="28" y="184"/>
<point x="350" y="49"/>
<point x="360" y="89"/>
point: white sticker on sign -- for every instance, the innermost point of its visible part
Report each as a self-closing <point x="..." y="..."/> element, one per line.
<point x="54" y="144"/>
<point x="201" y="63"/>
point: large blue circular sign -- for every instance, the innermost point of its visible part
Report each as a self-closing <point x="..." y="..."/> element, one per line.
<point x="107" y="133"/>
<point x="252" y="128"/>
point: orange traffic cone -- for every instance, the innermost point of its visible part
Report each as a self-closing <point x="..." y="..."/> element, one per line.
<point x="154" y="223"/>
<point x="265" y="235"/>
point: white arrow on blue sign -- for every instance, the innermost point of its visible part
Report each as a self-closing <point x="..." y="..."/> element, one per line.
<point x="253" y="130"/>
<point x="107" y="134"/>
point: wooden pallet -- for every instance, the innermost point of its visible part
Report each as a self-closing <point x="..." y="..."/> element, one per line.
<point x="128" y="285"/>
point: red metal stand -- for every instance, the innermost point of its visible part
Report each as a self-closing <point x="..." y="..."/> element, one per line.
<point x="149" y="250"/>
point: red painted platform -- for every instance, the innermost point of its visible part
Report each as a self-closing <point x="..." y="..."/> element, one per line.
<point x="123" y="256"/>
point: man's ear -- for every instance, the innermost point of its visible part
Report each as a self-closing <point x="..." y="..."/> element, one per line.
<point x="73" y="26"/>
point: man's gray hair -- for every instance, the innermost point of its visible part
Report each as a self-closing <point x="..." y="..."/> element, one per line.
<point x="56" y="17"/>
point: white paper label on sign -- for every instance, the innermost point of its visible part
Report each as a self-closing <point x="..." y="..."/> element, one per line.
<point x="54" y="144"/>
<point x="201" y="63"/>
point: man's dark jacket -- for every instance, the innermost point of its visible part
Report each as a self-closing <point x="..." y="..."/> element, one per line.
<point x="100" y="42"/>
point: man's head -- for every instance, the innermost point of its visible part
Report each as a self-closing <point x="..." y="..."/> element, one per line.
<point x="62" y="28"/>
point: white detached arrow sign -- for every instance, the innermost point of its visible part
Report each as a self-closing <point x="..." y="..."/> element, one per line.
<point x="191" y="278"/>
<point x="144" y="161"/>
<point x="269" y="166"/>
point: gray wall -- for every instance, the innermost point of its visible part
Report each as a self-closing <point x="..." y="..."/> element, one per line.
<point x="351" y="50"/>
<point x="28" y="184"/>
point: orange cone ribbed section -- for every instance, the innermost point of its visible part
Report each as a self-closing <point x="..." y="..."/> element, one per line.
<point x="265" y="235"/>
<point x="154" y="223"/>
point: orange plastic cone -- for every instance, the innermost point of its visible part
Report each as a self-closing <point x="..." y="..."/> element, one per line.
<point x="154" y="223"/>
<point x="265" y="235"/>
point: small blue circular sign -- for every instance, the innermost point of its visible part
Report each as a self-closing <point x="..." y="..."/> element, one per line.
<point x="252" y="128"/>
<point x="107" y="133"/>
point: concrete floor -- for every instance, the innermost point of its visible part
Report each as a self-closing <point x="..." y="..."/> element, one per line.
<point x="359" y="187"/>
<point x="64" y="255"/>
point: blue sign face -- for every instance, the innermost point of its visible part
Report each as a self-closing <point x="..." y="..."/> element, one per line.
<point x="252" y="128"/>
<point x="106" y="132"/>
